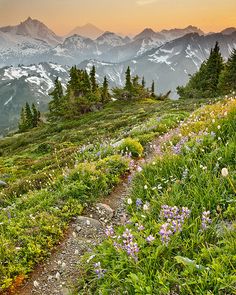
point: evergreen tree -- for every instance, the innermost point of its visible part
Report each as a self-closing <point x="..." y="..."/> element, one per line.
<point x="128" y="83"/>
<point x="28" y="116"/>
<point x="227" y="80"/>
<point x="93" y="79"/>
<point x="22" y="122"/>
<point x="105" y="95"/>
<point x="35" y="116"/>
<point x="55" y="105"/>
<point x="153" y="90"/>
<point x="204" y="83"/>
<point x="143" y="82"/>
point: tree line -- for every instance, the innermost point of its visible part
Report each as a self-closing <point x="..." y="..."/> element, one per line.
<point x="214" y="77"/>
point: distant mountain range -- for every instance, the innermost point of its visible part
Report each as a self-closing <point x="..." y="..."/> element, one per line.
<point x="32" y="56"/>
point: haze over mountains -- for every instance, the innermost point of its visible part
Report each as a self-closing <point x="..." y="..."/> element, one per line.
<point x="32" y="55"/>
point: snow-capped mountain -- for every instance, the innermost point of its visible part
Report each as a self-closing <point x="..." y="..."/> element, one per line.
<point x="87" y="31"/>
<point x="170" y="64"/>
<point x="228" y="31"/>
<point x="34" y="29"/>
<point x="177" y="33"/>
<point x="22" y="84"/>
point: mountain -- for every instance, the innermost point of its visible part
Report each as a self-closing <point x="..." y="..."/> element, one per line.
<point x="177" y="33"/>
<point x="34" y="29"/>
<point x="87" y="31"/>
<point x="228" y="31"/>
<point x="22" y="84"/>
<point x="76" y="49"/>
<point x="168" y="65"/>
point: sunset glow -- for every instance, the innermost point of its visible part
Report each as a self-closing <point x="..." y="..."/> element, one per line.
<point x="127" y="17"/>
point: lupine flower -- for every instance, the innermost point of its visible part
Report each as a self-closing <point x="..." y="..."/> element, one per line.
<point x="165" y="233"/>
<point x="140" y="227"/>
<point x="150" y="239"/>
<point x="139" y="203"/>
<point x="206" y="221"/>
<point x="139" y="169"/>
<point x="109" y="231"/>
<point x="98" y="270"/>
<point x="129" y="245"/>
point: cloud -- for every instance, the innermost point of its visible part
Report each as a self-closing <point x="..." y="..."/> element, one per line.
<point x="145" y="2"/>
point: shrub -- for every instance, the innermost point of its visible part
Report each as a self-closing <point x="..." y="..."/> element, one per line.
<point x="132" y="146"/>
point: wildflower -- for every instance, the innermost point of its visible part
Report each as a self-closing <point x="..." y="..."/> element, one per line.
<point x="109" y="231"/>
<point x="139" y="203"/>
<point x="218" y="127"/>
<point x="206" y="219"/>
<point x="224" y="172"/>
<point x="145" y="187"/>
<point x="129" y="201"/>
<point x="90" y="258"/>
<point x="146" y="206"/>
<point x="150" y="239"/>
<point x="165" y="233"/>
<point x="98" y="270"/>
<point x="139" y="169"/>
<point x="58" y="276"/>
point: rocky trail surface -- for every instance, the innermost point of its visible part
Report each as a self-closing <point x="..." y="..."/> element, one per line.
<point x="58" y="275"/>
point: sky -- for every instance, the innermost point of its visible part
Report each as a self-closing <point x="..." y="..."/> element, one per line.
<point x="122" y="16"/>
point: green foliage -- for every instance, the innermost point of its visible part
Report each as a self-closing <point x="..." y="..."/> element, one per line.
<point x="204" y="83"/>
<point x="132" y="146"/>
<point x="199" y="258"/>
<point x="227" y="81"/>
<point x="29" y="118"/>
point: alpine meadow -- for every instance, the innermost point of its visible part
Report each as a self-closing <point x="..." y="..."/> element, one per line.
<point x="117" y="148"/>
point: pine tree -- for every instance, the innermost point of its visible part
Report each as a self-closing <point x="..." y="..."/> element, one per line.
<point x="55" y="105"/>
<point x="105" y="95"/>
<point x="204" y="83"/>
<point x="35" y="116"/>
<point x="227" y="80"/>
<point x="28" y="116"/>
<point x="22" y="121"/>
<point x="128" y="83"/>
<point x="153" y="90"/>
<point x="93" y="79"/>
<point x="143" y="82"/>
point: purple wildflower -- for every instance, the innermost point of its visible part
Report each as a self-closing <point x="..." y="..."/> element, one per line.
<point x="109" y="231"/>
<point x="165" y="233"/>
<point x="98" y="270"/>
<point x="206" y="219"/>
<point x="139" y="203"/>
<point x="150" y="239"/>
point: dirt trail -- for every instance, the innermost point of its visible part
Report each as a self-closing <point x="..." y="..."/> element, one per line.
<point x="58" y="274"/>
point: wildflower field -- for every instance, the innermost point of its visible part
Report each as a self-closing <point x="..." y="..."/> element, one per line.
<point x="53" y="172"/>
<point x="180" y="234"/>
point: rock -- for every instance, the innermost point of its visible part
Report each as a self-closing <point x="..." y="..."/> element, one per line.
<point x="105" y="210"/>
<point x="3" y="183"/>
<point x="78" y="228"/>
<point x="88" y="222"/>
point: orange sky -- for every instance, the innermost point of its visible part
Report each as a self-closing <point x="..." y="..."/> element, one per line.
<point x="124" y="16"/>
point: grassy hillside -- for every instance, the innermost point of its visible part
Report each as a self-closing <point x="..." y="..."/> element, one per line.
<point x="53" y="170"/>
<point x="181" y="235"/>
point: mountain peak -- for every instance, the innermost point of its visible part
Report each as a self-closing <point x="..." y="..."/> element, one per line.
<point x="148" y="33"/>
<point x="228" y="31"/>
<point x="88" y="30"/>
<point x="35" y="29"/>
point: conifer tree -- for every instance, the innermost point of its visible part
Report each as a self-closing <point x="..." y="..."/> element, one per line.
<point x="105" y="95"/>
<point x="22" y="121"/>
<point x="128" y="83"/>
<point x="153" y="90"/>
<point x="28" y="116"/>
<point x="143" y="82"/>
<point x="55" y="105"/>
<point x="204" y="83"/>
<point x="35" y="116"/>
<point x="93" y="79"/>
<point x="227" y="80"/>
